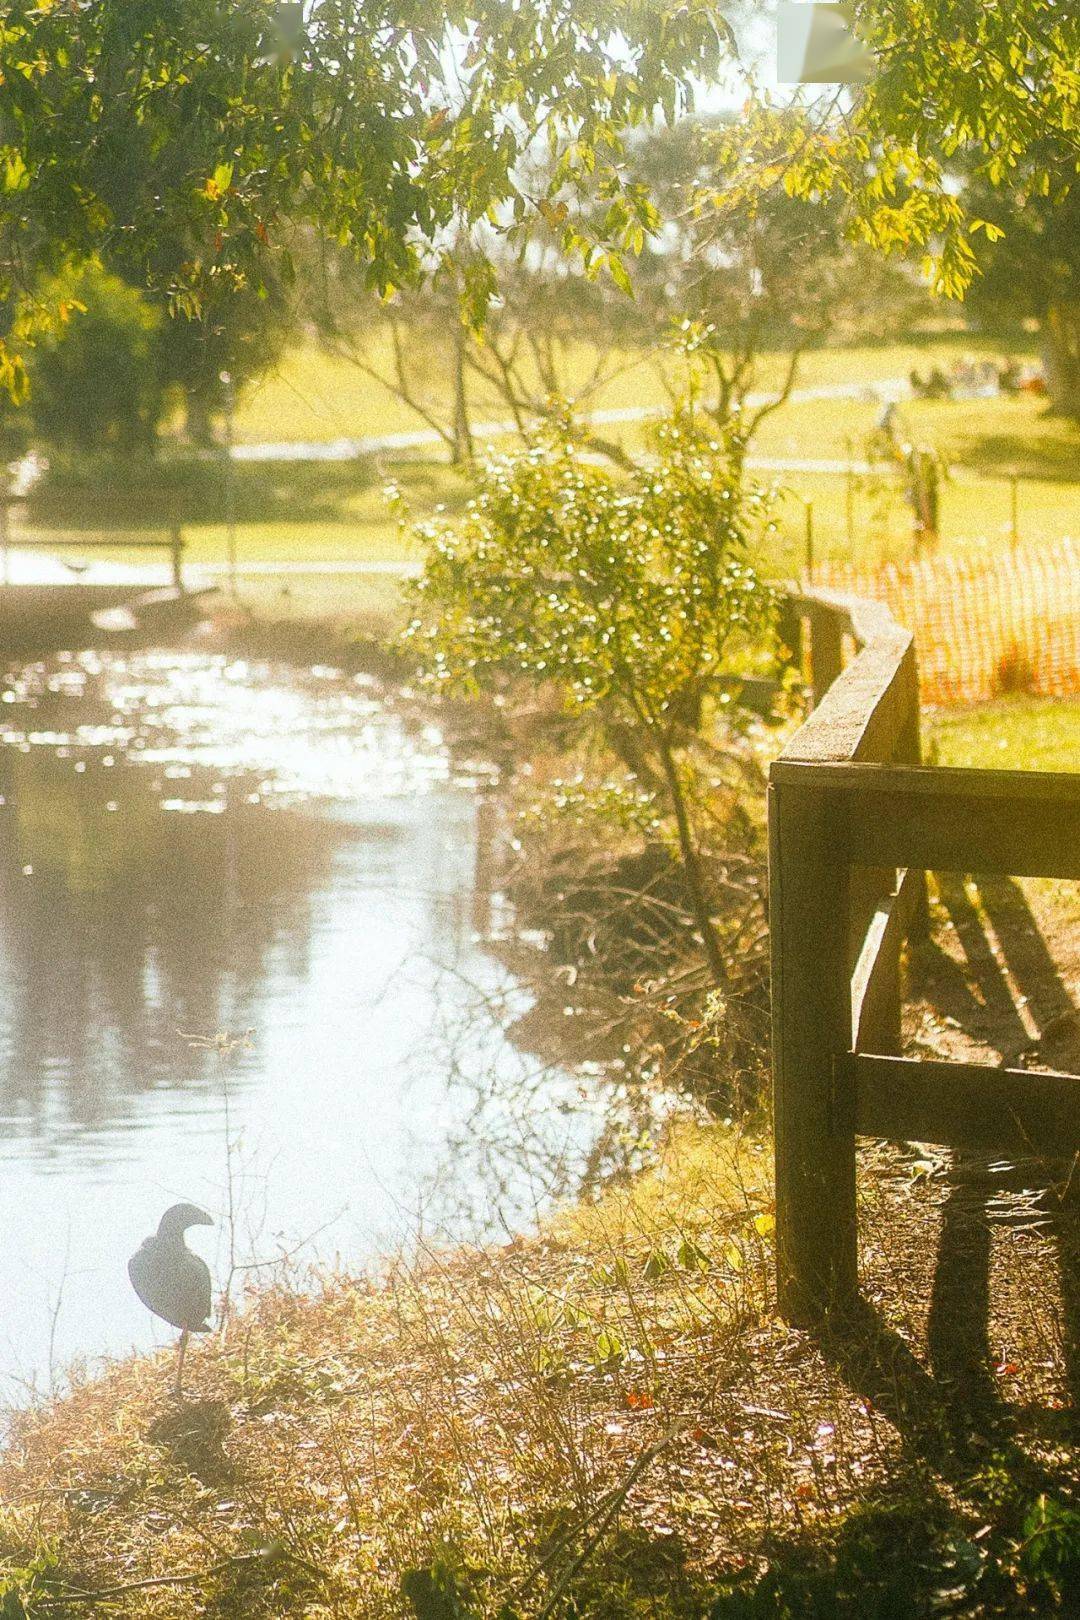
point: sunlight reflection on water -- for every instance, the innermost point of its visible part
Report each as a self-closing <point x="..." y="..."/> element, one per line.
<point x="191" y="845"/>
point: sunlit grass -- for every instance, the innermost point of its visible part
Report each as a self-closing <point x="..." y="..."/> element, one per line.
<point x="607" y="1419"/>
<point x="1020" y="733"/>
<point x="320" y="396"/>
<point x="296" y="512"/>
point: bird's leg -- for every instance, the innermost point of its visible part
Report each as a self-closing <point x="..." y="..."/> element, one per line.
<point x="181" y="1350"/>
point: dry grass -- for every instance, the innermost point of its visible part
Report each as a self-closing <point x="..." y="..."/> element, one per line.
<point x="605" y="1421"/>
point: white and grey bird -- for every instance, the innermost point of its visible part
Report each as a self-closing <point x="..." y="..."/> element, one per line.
<point x="173" y="1282"/>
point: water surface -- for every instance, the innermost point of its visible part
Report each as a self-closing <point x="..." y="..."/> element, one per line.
<point x="241" y="962"/>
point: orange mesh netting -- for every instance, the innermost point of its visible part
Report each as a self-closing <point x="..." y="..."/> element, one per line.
<point x="985" y="624"/>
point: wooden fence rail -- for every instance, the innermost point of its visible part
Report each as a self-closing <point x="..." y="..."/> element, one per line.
<point x="173" y="542"/>
<point x="855" y="821"/>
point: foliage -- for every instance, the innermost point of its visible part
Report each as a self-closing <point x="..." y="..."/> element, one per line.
<point x="991" y="91"/>
<point x="709" y="292"/>
<point x="1031" y="268"/>
<point x="1051" y="1545"/>
<point x="624" y="593"/>
<point x="621" y="598"/>
<point x="736" y="274"/>
<point x="241" y="333"/>
<point x="158" y="122"/>
<point x="435" y="1593"/>
<point x="96" y="378"/>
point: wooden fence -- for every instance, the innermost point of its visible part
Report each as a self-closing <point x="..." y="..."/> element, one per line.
<point x="171" y="542"/>
<point x="855" y="821"/>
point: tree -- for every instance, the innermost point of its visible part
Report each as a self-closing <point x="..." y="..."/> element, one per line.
<point x="241" y="333"/>
<point x="621" y="597"/>
<point x="550" y="335"/>
<point x="96" y="382"/>
<point x="554" y="336"/>
<point x="712" y="291"/>
<point x="129" y="127"/>
<point x="1031" y="269"/>
<point x="960" y="87"/>
<point x="413" y="344"/>
<point x="738" y="276"/>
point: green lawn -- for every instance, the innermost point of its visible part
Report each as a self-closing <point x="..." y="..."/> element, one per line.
<point x="1021" y="733"/>
<point x="313" y="395"/>
<point x="982" y="441"/>
<point x="974" y="512"/>
<point x="326" y="511"/>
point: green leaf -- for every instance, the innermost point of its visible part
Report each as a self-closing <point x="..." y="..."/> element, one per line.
<point x="656" y="1265"/>
<point x="692" y="1257"/>
<point x="16" y="174"/>
<point x="619" y="274"/>
<point x="608" y="1346"/>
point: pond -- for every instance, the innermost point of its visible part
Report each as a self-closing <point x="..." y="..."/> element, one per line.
<point x="242" y="962"/>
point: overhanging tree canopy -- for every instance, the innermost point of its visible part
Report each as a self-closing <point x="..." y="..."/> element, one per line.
<point x="126" y="125"/>
<point x="960" y="87"/>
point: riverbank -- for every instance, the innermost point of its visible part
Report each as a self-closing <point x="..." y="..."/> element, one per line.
<point x="350" y="639"/>
<point x="607" y="1420"/>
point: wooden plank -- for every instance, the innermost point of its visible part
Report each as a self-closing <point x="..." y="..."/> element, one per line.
<point x="933" y="781"/>
<point x="789" y="629"/>
<point x="1024" y="823"/>
<point x="960" y="1105"/>
<point x="826" y="654"/>
<point x="866" y="712"/>
<point x="811" y="1009"/>
<point x="1021" y="836"/>
<point x="869" y="887"/>
<point x="866" y="619"/>
<point x="875" y="982"/>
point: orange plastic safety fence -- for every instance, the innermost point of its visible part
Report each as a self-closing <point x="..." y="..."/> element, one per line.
<point x="985" y="624"/>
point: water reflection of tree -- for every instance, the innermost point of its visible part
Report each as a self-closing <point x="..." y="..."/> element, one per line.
<point x="527" y="1128"/>
<point x="132" y="925"/>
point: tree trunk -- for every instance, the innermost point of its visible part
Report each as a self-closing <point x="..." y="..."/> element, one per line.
<point x="1061" y="347"/>
<point x="198" y="419"/>
<point x="463" y="443"/>
<point x="695" y="880"/>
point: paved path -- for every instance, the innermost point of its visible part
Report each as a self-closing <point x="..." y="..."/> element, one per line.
<point x="395" y="568"/>
<point x="885" y="388"/>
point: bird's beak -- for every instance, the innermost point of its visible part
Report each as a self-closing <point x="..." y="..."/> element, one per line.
<point x="204" y="1220"/>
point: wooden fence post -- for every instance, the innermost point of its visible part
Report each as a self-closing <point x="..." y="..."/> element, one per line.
<point x="811" y="999"/>
<point x="909" y="752"/>
<point x="826" y="653"/>
<point x="789" y="628"/>
<point x="176" y="555"/>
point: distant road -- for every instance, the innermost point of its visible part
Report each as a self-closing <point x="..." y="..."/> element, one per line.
<point x="395" y="568"/>
<point x="380" y="444"/>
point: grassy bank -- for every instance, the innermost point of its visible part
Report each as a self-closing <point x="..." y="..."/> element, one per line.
<point x="606" y="1421"/>
<point x="315" y="513"/>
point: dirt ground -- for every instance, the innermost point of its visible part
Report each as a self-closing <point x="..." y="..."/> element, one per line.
<point x="998" y="982"/>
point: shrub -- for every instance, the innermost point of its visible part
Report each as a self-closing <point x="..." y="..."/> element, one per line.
<point x="94" y="381"/>
<point x="619" y="597"/>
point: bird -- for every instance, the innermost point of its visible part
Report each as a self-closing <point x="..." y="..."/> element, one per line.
<point x="171" y="1281"/>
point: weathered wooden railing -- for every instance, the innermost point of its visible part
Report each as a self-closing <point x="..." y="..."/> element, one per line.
<point x="855" y="821"/>
<point x="173" y="542"/>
